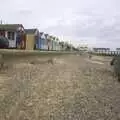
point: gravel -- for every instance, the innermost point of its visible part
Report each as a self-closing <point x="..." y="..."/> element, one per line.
<point x="72" y="88"/>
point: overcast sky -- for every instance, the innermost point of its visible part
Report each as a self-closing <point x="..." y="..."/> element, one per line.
<point x="95" y="22"/>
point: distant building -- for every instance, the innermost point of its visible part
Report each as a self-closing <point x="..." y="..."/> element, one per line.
<point x="49" y="42"/>
<point x="57" y="44"/>
<point x="54" y="43"/>
<point x="62" y="46"/>
<point x="15" y="34"/>
<point x="83" y="48"/>
<point x="46" y="47"/>
<point x="101" y="49"/>
<point x="117" y="49"/>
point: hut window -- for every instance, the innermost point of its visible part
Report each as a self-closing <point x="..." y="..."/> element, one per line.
<point x="11" y="35"/>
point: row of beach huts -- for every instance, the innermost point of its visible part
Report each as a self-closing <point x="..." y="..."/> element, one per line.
<point x="30" y="39"/>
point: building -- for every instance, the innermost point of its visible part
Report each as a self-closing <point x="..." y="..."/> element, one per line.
<point x="50" y="43"/>
<point x="62" y="45"/>
<point x="117" y="49"/>
<point x="40" y="41"/>
<point x="14" y="33"/>
<point x="47" y="42"/>
<point x="57" y="44"/>
<point x="32" y="38"/>
<point x="53" y="43"/>
<point x="101" y="50"/>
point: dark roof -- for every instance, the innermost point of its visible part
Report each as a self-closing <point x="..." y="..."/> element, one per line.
<point x="117" y="48"/>
<point x="30" y="31"/>
<point x="41" y="32"/>
<point x="10" y="26"/>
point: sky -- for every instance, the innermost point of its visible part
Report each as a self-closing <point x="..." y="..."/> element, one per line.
<point x="92" y="22"/>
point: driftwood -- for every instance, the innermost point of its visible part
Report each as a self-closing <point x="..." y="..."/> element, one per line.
<point x="3" y="66"/>
<point x="1" y="61"/>
<point x="49" y="61"/>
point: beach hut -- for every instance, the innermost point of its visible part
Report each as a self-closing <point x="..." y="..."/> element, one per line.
<point x="32" y="37"/>
<point x="14" y="33"/>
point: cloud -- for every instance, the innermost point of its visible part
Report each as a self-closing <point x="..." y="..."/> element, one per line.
<point x="95" y="22"/>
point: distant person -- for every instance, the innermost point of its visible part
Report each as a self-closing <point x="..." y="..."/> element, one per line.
<point x="116" y="66"/>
